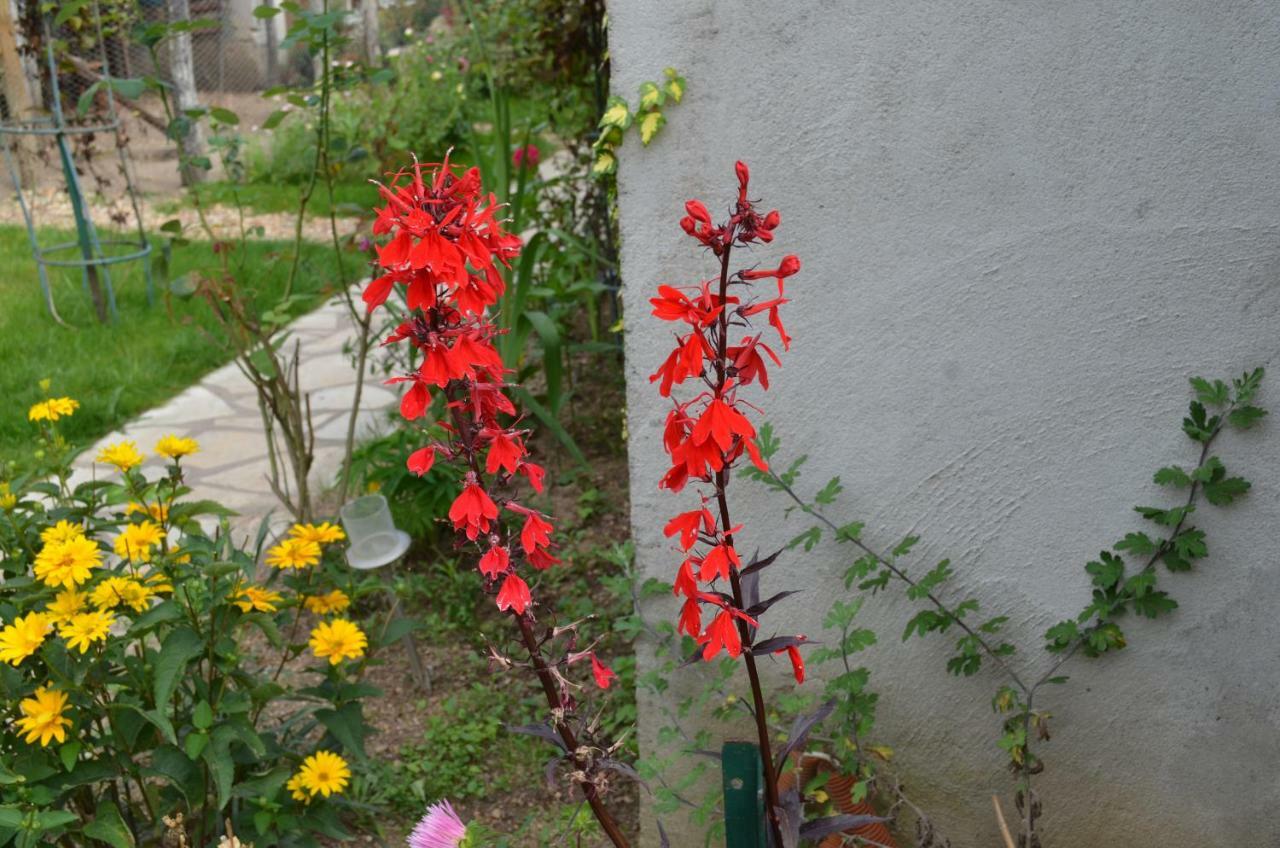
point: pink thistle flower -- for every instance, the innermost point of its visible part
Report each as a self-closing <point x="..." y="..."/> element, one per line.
<point x="439" y="828"/>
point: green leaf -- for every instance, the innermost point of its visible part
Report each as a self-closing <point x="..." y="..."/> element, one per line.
<point x="180" y="647"/>
<point x="809" y="538"/>
<point x="108" y="826"/>
<point x="217" y="756"/>
<point x="1211" y="394"/>
<point x="552" y="356"/>
<point x="1138" y="544"/>
<point x="829" y="492"/>
<point x="904" y="547"/>
<point x="225" y="116"/>
<point x="675" y="84"/>
<point x="86" y="98"/>
<point x="265" y="11"/>
<point x="1106" y="571"/>
<point x="68" y="754"/>
<point x="1172" y="475"/>
<point x="194" y="745"/>
<point x="273" y="120"/>
<point x="1225" y="491"/>
<point x="1245" y="417"/>
<point x="850" y="532"/>
<point x="347" y="726"/>
<point x="202" y="716"/>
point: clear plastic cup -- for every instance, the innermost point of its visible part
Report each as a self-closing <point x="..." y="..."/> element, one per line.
<point x="373" y="540"/>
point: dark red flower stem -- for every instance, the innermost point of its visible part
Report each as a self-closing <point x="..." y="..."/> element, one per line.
<point x="772" y="802"/>
<point x="466" y="436"/>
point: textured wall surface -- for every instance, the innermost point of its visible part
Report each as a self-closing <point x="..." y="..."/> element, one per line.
<point x="1023" y="226"/>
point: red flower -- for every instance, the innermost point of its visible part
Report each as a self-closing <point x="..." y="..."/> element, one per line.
<point x="797" y="662"/>
<point x="415" y="401"/>
<point x="601" y="672"/>
<point x="716" y="564"/>
<point x="721" y="422"/>
<point x="495" y="562"/>
<point x="536" y="533"/>
<point x="690" y="618"/>
<point x="514" y="595"/>
<point x="472" y="511"/>
<point x="721" y="634"/>
<point x="505" y="451"/>
<point x="687" y="525"/>
<point x="421" y="460"/>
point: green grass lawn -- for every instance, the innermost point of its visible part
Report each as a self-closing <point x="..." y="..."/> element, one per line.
<point x="119" y="370"/>
<point x="349" y="198"/>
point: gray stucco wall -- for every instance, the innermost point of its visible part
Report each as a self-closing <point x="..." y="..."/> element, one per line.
<point x="1023" y="226"/>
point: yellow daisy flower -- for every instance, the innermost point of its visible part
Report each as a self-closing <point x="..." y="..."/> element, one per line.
<point x="156" y="511"/>
<point x="23" y="637"/>
<point x="116" y="591"/>
<point x="321" y="534"/>
<point x="86" y="628"/>
<point x="323" y="773"/>
<point x="63" y="531"/>
<point x="123" y="455"/>
<point x="295" y="789"/>
<point x="136" y="541"/>
<point x="158" y="584"/>
<point x="52" y="409"/>
<point x="335" y="601"/>
<point x="176" y="446"/>
<point x="42" y="717"/>
<point x="256" y="598"/>
<point x="338" y="640"/>
<point x="67" y="564"/>
<point x="66" y="605"/>
<point x="294" y="553"/>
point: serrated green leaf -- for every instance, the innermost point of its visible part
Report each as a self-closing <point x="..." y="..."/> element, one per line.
<point x="651" y="97"/>
<point x="1172" y="475"/>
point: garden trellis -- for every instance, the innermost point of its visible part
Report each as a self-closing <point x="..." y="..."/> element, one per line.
<point x="91" y="253"/>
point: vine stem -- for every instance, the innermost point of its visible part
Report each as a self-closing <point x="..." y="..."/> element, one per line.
<point x="1028" y="691"/>
<point x="772" y="801"/>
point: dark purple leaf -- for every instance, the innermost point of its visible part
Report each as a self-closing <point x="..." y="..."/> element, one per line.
<point x="778" y="643"/>
<point x="800" y="730"/>
<point x="790" y="815"/>
<point x="759" y="607"/>
<point x="549" y="771"/>
<point x="760" y="564"/>
<point x="819" y="828"/>
<point x="621" y="768"/>
<point x="542" y="731"/>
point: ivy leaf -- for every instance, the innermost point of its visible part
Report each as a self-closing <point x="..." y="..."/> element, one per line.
<point x="809" y="538"/>
<point x="1190" y="544"/>
<point x="651" y="97"/>
<point x="1154" y="604"/>
<point x="674" y="86"/>
<point x="616" y="114"/>
<point x="930" y="581"/>
<point x="605" y="164"/>
<point x="649" y="126"/>
<point x="1061" y="635"/>
<point x="850" y="532"/>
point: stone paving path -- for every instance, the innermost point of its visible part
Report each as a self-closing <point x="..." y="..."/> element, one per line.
<point x="221" y="413"/>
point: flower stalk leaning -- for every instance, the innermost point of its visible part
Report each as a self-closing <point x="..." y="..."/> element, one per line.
<point x="446" y="251"/>
<point x="709" y="434"/>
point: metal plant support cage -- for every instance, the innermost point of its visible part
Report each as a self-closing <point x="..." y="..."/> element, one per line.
<point x="96" y="255"/>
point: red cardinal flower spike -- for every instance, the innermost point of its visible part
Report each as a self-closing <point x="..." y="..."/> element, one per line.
<point x="445" y="251"/>
<point x="711" y="433"/>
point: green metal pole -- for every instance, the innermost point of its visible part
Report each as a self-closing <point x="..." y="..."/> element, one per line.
<point x="743" y="776"/>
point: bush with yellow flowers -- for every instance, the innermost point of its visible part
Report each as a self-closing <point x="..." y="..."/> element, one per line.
<point x="152" y="669"/>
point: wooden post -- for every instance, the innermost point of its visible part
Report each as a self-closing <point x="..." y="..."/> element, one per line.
<point x="372" y="43"/>
<point x="16" y="92"/>
<point x="182" y="69"/>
